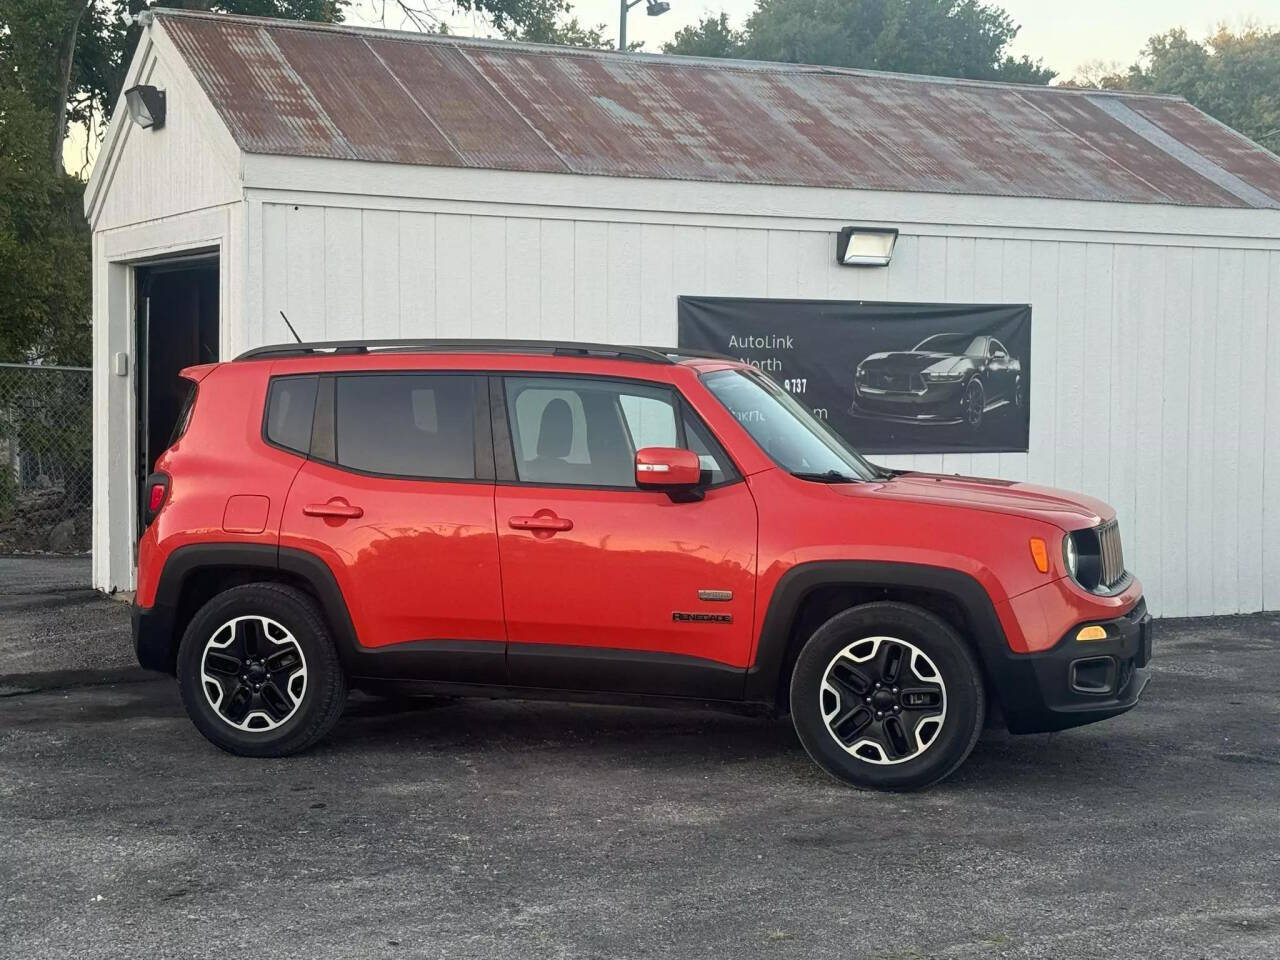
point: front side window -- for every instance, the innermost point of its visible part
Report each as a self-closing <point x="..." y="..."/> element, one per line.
<point x="406" y="425"/>
<point x="580" y="432"/>
<point x="795" y="439"/>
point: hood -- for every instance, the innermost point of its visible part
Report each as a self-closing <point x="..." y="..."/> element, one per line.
<point x="909" y="361"/>
<point x="1069" y="511"/>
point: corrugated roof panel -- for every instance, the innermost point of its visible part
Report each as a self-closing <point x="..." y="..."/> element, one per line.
<point x="363" y="101"/>
<point x="1234" y="153"/>
<point x="1116" y="141"/>
<point x="576" y="108"/>
<point x="326" y="91"/>
<point x="264" y="104"/>
<point x="450" y="90"/>
<point x="926" y="137"/>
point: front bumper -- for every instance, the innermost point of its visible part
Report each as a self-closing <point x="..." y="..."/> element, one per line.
<point x="153" y="641"/>
<point x="939" y="403"/>
<point x="1073" y="682"/>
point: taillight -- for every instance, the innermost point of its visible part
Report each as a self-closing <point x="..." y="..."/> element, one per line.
<point x="157" y="494"/>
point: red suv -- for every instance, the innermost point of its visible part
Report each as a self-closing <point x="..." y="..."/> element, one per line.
<point x="582" y="521"/>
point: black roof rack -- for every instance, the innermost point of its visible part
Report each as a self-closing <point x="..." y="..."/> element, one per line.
<point x="551" y="347"/>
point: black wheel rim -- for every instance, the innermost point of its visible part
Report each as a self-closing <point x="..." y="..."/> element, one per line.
<point x="883" y="700"/>
<point x="253" y="673"/>
<point x="973" y="401"/>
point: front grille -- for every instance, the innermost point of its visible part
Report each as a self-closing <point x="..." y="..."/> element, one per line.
<point x="902" y="382"/>
<point x="1112" y="553"/>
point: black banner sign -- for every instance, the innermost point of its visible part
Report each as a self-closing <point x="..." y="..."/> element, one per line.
<point x="889" y="377"/>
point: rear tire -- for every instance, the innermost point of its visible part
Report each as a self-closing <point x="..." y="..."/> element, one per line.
<point x="258" y="671"/>
<point x="887" y="696"/>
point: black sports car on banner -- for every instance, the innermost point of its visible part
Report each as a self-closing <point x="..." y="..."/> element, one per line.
<point x="931" y="376"/>
<point x="946" y="378"/>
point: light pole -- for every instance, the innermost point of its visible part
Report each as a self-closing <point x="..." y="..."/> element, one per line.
<point x="654" y="8"/>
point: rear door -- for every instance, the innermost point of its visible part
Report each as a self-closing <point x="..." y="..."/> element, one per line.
<point x="607" y="586"/>
<point x="397" y="498"/>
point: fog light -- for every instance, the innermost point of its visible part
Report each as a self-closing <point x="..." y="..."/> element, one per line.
<point x="1094" y="632"/>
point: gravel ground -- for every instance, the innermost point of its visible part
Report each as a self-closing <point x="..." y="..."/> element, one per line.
<point x="55" y="629"/>
<point x="515" y="830"/>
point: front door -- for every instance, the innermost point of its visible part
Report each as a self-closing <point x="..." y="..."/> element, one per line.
<point x="607" y="586"/>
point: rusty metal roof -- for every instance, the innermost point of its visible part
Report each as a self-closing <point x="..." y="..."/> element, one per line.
<point x="345" y="92"/>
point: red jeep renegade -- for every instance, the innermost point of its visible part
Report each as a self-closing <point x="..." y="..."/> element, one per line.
<point x="581" y="521"/>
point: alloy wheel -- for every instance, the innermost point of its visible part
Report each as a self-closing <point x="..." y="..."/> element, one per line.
<point x="253" y="673"/>
<point x="883" y="700"/>
<point x="974" y="402"/>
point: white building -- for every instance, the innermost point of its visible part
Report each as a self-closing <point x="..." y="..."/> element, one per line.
<point x="374" y="185"/>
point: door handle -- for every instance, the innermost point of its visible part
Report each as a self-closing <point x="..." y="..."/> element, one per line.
<point x="334" y="508"/>
<point x="541" y="521"/>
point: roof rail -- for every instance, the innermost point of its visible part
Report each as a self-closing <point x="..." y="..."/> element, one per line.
<point x="551" y="347"/>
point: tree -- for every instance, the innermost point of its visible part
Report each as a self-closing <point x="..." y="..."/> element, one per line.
<point x="555" y="23"/>
<point x="44" y="241"/>
<point x="949" y="38"/>
<point x="1234" y="77"/>
<point x="712" y="37"/>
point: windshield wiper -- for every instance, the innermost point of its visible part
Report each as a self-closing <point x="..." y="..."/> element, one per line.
<point x="827" y="476"/>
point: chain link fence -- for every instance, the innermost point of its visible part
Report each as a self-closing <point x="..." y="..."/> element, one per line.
<point x="46" y="455"/>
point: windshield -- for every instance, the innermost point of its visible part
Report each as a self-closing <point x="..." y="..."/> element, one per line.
<point x="796" y="440"/>
<point x="957" y="343"/>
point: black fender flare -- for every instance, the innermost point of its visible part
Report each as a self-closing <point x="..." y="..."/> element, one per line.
<point x="193" y="558"/>
<point x="1003" y="670"/>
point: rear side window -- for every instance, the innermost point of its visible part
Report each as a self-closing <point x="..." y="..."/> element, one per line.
<point x="291" y="404"/>
<point x="406" y="425"/>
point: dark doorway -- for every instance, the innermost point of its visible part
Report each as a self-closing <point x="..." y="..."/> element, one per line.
<point x="177" y="326"/>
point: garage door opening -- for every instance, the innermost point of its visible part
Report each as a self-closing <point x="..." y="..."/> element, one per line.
<point x="177" y="326"/>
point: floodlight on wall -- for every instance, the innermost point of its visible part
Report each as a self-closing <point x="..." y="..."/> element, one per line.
<point x="146" y="106"/>
<point x="866" y="246"/>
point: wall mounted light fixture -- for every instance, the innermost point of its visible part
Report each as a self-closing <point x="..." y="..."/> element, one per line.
<point x="865" y="246"/>
<point x="146" y="106"/>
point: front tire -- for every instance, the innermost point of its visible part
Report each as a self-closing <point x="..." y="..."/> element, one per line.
<point x="258" y="671"/>
<point x="975" y="403"/>
<point x="887" y="696"/>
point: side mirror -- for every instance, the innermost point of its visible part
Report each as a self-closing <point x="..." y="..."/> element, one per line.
<point x="672" y="469"/>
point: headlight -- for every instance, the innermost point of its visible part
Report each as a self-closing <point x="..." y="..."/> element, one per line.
<point x="1072" y="555"/>
<point x="860" y="373"/>
<point x="943" y="377"/>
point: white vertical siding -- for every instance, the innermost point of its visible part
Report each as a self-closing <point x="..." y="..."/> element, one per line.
<point x="1175" y="455"/>
<point x="1149" y="366"/>
<point x="1270" y="518"/>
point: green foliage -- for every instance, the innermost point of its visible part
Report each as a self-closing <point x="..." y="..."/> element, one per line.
<point x="712" y="37"/>
<point x="553" y="22"/>
<point x="1234" y="77"/>
<point x="948" y="38"/>
<point x="44" y="243"/>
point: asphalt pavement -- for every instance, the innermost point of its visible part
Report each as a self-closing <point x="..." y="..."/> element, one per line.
<point x="519" y="830"/>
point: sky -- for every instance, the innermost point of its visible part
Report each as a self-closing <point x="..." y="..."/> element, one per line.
<point x="1065" y="35"/>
